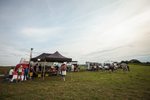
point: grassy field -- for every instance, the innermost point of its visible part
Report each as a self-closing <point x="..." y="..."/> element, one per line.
<point x="134" y="85"/>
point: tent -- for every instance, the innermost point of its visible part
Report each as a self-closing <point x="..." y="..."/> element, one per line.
<point x="57" y="57"/>
<point x="41" y="57"/>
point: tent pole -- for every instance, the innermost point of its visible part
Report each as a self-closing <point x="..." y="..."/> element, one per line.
<point x="71" y="71"/>
<point x="42" y="65"/>
<point x="71" y="74"/>
<point x="44" y="71"/>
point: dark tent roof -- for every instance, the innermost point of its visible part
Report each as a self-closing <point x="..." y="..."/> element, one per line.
<point x="41" y="57"/>
<point x="57" y="57"/>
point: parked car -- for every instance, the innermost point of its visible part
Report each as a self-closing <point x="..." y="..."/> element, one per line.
<point x="106" y="65"/>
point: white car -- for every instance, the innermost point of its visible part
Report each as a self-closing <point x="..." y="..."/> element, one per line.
<point x="106" y="65"/>
<point x="100" y="66"/>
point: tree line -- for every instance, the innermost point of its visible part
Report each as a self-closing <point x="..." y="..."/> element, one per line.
<point x="133" y="61"/>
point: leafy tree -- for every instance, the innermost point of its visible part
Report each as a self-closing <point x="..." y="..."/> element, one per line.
<point x="134" y="61"/>
<point x="122" y="61"/>
<point x="131" y="61"/>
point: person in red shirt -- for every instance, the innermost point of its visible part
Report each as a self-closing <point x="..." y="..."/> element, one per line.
<point x="63" y="68"/>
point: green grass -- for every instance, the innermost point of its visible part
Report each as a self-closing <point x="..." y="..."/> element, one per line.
<point x="3" y="69"/>
<point x="134" y="85"/>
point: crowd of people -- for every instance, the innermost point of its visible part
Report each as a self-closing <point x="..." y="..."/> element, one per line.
<point x="74" y="68"/>
<point x="111" y="68"/>
<point x="114" y="68"/>
<point x="95" y="67"/>
<point x="125" y="68"/>
<point x="34" y="70"/>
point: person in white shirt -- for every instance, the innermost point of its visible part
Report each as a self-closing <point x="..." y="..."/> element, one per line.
<point x="94" y="67"/>
<point x="72" y="68"/>
<point x="63" y="71"/>
<point x="11" y="74"/>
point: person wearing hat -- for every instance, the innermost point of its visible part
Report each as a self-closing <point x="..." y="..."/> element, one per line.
<point x="20" y="70"/>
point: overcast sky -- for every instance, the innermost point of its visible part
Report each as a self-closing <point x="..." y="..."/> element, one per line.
<point x="85" y="30"/>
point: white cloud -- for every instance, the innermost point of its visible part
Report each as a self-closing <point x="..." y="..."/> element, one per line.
<point x="40" y="34"/>
<point x="93" y="31"/>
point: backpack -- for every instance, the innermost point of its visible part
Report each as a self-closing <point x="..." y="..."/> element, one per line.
<point x="64" y="68"/>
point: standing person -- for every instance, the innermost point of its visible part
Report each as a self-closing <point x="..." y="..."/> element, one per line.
<point x="103" y="69"/>
<point x="31" y="72"/>
<point x="35" y="70"/>
<point x="11" y="74"/>
<point x="121" y="67"/>
<point x="110" y="69"/>
<point x="128" y="68"/>
<point x="60" y="67"/>
<point x="63" y="72"/>
<point x="97" y="68"/>
<point x="58" y="71"/>
<point x="92" y="67"/>
<point x="72" y="68"/>
<point x="67" y="68"/>
<point x="26" y="71"/>
<point x="115" y="68"/>
<point x="40" y="67"/>
<point x="124" y="69"/>
<point x="20" y="71"/>
<point x="77" y="68"/>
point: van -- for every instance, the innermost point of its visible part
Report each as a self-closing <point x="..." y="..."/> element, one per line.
<point x="107" y="64"/>
<point x="90" y="64"/>
<point x="100" y="65"/>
